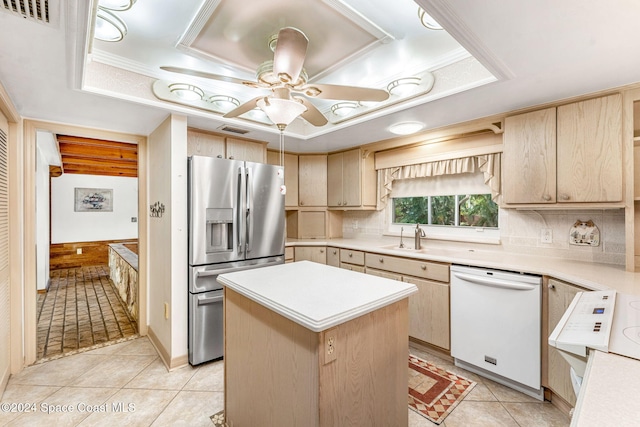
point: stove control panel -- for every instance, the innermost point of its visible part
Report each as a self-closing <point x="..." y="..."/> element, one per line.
<point x="586" y="323"/>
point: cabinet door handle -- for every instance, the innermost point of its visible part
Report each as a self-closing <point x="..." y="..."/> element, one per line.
<point x="301" y="203"/>
<point x="551" y="286"/>
<point x="381" y="260"/>
<point x="424" y="267"/>
<point x="344" y="202"/>
<point x="547" y="197"/>
<point x="335" y="252"/>
<point x="219" y="156"/>
<point x="350" y="255"/>
<point x="321" y="251"/>
<point x="230" y="157"/>
<point x="564" y="197"/>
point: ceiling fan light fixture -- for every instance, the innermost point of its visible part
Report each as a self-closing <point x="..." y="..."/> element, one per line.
<point x="427" y="21"/>
<point x="404" y="86"/>
<point x="117" y="5"/>
<point x="406" y="128"/>
<point x="343" y="108"/>
<point x="224" y="102"/>
<point x="186" y="91"/>
<point x="281" y="111"/>
<point x="109" y="27"/>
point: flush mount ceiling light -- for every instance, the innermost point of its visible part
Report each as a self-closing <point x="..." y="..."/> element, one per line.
<point x="427" y="20"/>
<point x="226" y="103"/>
<point x="117" y="5"/>
<point x="406" y="128"/>
<point x="343" y="108"/>
<point x="109" y="27"/>
<point x="186" y="91"/>
<point x="404" y="86"/>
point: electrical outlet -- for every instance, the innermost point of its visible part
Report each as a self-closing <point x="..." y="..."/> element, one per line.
<point x="79" y="251"/>
<point x="330" y="345"/>
<point x="166" y="310"/>
<point x="546" y="235"/>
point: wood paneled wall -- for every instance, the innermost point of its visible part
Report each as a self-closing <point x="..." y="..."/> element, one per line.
<point x="65" y="255"/>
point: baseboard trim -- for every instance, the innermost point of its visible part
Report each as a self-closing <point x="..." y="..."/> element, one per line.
<point x="169" y="363"/>
<point x="5" y="379"/>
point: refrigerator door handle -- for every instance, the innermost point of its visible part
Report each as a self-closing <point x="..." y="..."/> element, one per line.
<point x="240" y="210"/>
<point x="249" y="208"/>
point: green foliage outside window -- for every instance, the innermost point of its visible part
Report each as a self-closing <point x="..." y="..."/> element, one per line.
<point x="473" y="210"/>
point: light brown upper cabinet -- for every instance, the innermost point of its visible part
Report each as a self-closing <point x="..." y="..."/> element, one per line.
<point x="290" y="176"/>
<point x="568" y="154"/>
<point x="312" y="180"/>
<point x="240" y="149"/>
<point x="590" y="150"/>
<point x="351" y="180"/>
<point x="529" y="160"/>
<point x="203" y="143"/>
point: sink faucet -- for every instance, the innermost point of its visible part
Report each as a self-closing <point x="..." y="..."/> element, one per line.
<point x="401" y="244"/>
<point x="419" y="232"/>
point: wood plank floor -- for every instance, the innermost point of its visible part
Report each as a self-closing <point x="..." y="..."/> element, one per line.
<point x="80" y="310"/>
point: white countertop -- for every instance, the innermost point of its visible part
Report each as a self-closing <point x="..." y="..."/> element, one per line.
<point x="316" y="296"/>
<point x="590" y="275"/>
<point x="610" y="392"/>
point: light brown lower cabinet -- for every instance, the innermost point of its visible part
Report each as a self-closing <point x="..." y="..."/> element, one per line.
<point x="429" y="312"/>
<point x="429" y="308"/>
<point x="560" y="295"/>
<point x="311" y="253"/>
<point x="333" y="257"/>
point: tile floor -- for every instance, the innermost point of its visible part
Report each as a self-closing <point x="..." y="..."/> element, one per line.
<point x="129" y="383"/>
<point x="80" y="309"/>
<point x="490" y="404"/>
<point x="118" y="385"/>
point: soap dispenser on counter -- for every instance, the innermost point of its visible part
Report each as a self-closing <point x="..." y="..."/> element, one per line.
<point x="419" y="232"/>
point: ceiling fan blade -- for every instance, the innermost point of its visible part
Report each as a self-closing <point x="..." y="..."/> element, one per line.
<point x="243" y="108"/>
<point x="206" y="75"/>
<point x="312" y="115"/>
<point x="288" y="58"/>
<point x="344" y="93"/>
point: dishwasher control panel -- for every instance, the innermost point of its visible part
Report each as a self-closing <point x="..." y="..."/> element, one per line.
<point x="586" y="323"/>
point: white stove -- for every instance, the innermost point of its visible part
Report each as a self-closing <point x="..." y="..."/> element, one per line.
<point x="607" y="321"/>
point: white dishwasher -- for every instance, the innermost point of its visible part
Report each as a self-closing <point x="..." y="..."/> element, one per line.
<point x="495" y="326"/>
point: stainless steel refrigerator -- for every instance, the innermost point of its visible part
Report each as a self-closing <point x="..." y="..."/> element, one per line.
<point x="236" y="222"/>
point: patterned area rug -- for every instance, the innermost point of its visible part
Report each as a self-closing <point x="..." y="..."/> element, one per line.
<point x="434" y="392"/>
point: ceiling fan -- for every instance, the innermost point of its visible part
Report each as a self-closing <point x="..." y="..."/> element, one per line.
<point x="286" y="78"/>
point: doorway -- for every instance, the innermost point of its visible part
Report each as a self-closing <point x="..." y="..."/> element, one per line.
<point x="76" y="295"/>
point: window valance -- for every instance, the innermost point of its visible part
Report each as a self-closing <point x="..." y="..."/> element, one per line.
<point x="488" y="164"/>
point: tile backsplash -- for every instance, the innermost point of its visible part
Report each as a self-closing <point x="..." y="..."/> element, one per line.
<point x="520" y="231"/>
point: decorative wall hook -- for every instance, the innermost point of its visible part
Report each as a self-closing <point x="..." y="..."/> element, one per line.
<point x="157" y="209"/>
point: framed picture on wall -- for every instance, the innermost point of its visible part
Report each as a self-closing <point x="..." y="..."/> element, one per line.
<point x="93" y="200"/>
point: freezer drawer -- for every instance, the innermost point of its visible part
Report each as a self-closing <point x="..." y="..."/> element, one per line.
<point x="206" y="334"/>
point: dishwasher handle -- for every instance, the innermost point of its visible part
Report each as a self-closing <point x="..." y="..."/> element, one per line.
<point x="493" y="282"/>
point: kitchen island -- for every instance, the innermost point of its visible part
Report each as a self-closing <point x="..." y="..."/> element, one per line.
<point x="313" y="345"/>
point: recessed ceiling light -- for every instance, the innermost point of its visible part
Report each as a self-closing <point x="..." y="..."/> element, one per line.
<point x="404" y="86"/>
<point x="406" y="128"/>
<point x="224" y="102"/>
<point x="109" y="27"/>
<point x="427" y="20"/>
<point x="117" y="5"/>
<point x="186" y="91"/>
<point x="343" y="108"/>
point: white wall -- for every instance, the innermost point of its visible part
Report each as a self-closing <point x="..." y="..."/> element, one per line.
<point x="167" y="184"/>
<point x="42" y="221"/>
<point x="69" y="226"/>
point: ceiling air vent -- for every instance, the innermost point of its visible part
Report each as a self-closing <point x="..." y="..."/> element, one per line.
<point x="36" y="10"/>
<point x="233" y="130"/>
